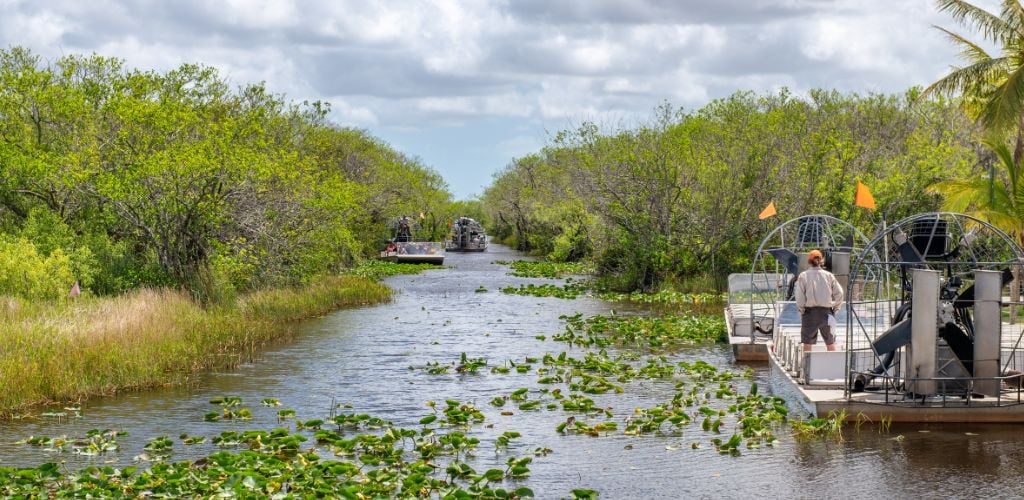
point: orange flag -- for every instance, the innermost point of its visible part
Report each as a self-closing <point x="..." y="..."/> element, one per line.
<point x="768" y="211"/>
<point x="863" y="197"/>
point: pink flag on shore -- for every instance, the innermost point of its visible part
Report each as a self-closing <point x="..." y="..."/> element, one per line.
<point x="75" y="290"/>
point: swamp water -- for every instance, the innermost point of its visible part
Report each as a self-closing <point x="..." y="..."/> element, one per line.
<point x="361" y="357"/>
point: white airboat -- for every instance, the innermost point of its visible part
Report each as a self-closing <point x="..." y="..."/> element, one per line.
<point x="927" y="333"/>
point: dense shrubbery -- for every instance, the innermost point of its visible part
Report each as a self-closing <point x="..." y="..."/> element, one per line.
<point x="119" y="178"/>
<point x="677" y="200"/>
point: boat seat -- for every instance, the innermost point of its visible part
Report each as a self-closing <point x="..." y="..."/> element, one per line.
<point x="822" y="367"/>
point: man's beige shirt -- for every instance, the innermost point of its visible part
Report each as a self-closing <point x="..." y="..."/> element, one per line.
<point x="817" y="287"/>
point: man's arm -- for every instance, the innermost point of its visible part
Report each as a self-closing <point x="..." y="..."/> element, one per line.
<point x="798" y="292"/>
<point x="837" y="295"/>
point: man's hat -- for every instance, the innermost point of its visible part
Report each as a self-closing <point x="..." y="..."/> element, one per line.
<point x="814" y="254"/>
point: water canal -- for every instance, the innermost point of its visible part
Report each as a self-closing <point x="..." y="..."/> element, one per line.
<point x="362" y="357"/>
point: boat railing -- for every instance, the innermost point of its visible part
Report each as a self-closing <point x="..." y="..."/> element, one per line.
<point x="948" y="391"/>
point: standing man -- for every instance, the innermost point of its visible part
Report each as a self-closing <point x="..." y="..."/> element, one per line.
<point x="818" y="295"/>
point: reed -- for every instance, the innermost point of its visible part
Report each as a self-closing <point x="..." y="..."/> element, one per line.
<point x="66" y="351"/>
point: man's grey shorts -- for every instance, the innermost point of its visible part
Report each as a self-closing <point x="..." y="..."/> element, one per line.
<point x="815" y="319"/>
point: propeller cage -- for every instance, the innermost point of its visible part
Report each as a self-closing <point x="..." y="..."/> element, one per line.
<point x="930" y="314"/>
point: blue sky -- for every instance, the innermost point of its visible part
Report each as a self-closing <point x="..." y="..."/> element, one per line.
<point x="468" y="85"/>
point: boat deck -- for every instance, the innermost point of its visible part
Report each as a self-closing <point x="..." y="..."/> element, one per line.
<point x="746" y="344"/>
<point x="818" y="379"/>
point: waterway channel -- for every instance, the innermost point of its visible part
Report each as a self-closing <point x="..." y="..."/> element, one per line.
<point x="362" y="357"/>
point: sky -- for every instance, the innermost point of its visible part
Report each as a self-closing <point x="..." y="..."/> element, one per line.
<point x="466" y="86"/>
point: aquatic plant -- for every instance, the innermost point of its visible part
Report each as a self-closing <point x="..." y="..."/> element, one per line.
<point x="666" y="297"/>
<point x="380" y="269"/>
<point x="546" y="269"/>
<point x="505" y="438"/>
<point x="649" y="331"/>
<point x="372" y="459"/>
<point x="95" y="442"/>
<point x="830" y="426"/>
<point x="159" y="448"/>
<point x="567" y="291"/>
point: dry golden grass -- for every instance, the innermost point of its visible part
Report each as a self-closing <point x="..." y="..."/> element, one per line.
<point x="69" y="350"/>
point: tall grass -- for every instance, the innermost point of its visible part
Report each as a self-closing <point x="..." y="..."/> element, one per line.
<point x="69" y="350"/>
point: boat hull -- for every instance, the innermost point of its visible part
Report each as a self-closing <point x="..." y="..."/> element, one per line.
<point x="415" y="259"/>
<point x="415" y="252"/>
<point x="745" y="347"/>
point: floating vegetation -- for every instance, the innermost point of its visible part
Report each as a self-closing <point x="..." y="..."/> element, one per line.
<point x="567" y="291"/>
<point x="159" y="448"/>
<point x="387" y="461"/>
<point x="480" y="289"/>
<point x="379" y="269"/>
<point x="229" y="409"/>
<point x="505" y="438"/>
<point x="573" y="426"/>
<point x="191" y="440"/>
<point x="830" y="426"/>
<point x="63" y="415"/>
<point x="667" y="297"/>
<point x="95" y="442"/>
<point x="227" y="401"/>
<point x="546" y="269"/>
<point x="236" y="414"/>
<point x="654" y="332"/>
<point x="465" y="365"/>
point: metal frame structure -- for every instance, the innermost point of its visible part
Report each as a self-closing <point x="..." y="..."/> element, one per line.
<point x="771" y="279"/>
<point x="950" y="267"/>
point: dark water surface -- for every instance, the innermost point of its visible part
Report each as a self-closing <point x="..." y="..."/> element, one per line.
<point x="361" y="357"/>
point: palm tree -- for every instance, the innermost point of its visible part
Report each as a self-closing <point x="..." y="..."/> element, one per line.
<point x="992" y="86"/>
<point x="998" y="200"/>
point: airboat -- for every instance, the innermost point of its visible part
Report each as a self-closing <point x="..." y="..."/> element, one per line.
<point x="761" y="301"/>
<point x="928" y="331"/>
<point x="467" y="236"/>
<point x="402" y="247"/>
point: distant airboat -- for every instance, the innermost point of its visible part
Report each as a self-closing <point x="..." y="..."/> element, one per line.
<point x="467" y="236"/>
<point x="403" y="248"/>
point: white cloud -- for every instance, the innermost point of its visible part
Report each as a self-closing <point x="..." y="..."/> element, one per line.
<point x="344" y="112"/>
<point x="258" y="14"/>
<point x="37" y="29"/>
<point x="521" y="145"/>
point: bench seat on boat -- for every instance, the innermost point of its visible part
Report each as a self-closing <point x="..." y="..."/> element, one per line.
<point x="822" y="367"/>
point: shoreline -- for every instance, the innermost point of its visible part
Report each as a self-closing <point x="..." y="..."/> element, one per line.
<point x="65" y="351"/>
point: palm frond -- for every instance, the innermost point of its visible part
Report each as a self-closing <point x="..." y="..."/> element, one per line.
<point x="991" y="26"/>
<point x="962" y="195"/>
<point x="1012" y="14"/>
<point x="1004" y="106"/>
<point x="971" y="79"/>
<point x="1005" y="157"/>
<point x="1007" y="222"/>
<point x="969" y="50"/>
